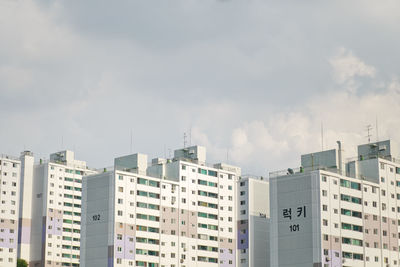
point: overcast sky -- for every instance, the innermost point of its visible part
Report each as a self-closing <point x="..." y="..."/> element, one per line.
<point x="253" y="80"/>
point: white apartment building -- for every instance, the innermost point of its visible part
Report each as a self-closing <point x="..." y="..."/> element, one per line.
<point x="50" y="209"/>
<point x="253" y="222"/>
<point x="175" y="212"/>
<point x="336" y="213"/>
<point x="9" y="191"/>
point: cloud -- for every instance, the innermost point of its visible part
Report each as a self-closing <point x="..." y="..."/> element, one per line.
<point x="277" y="141"/>
<point x="252" y="79"/>
<point x="347" y="68"/>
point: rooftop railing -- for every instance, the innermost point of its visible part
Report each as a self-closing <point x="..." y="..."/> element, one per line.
<point x="4" y="156"/>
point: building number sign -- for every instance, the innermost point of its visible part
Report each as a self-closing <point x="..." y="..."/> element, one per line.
<point x="96" y="217"/>
<point x="299" y="212"/>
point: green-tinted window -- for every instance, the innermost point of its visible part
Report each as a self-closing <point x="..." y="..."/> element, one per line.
<point x="214" y="195"/>
<point x="67" y="238"/>
<point x="355" y="185"/>
<point x="141" y="228"/>
<point x="154" y="183"/>
<point x="346" y="240"/>
<point x="344" y="183"/>
<point x="346" y="226"/>
<point x="346" y="212"/>
<point x="142" y="181"/>
<point x="357" y="256"/>
<point x="141" y="216"/>
<point x="154" y="218"/>
<point x="153" y="230"/>
<point x="211" y="205"/>
<point x="202" y="225"/>
<point x="357" y="242"/>
<point x="357" y="228"/>
<point x="202" y="214"/>
<point x="214" y="260"/>
<point x="202" y="193"/>
<point x="154" y="195"/>
<point x="212" y="216"/>
<point x="67" y="221"/>
<point x="356" y="200"/>
<point x="212" y="173"/>
<point x="67" y="212"/>
<point x="154" y="207"/>
<point x="212" y="227"/>
<point x="202" y="171"/>
<point x="141" y="205"/>
<point x="68" y="196"/>
<point x="142" y="193"/>
<point x="212" y="184"/>
<point x="68" y="179"/>
<point x="202" y="182"/>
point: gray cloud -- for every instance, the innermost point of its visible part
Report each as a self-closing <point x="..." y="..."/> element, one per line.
<point x="254" y="78"/>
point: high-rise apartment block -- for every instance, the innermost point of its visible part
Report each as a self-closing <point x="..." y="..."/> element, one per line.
<point x="50" y="213"/>
<point x="175" y="212"/>
<point x="333" y="212"/>
<point x="253" y="222"/>
<point x="9" y="208"/>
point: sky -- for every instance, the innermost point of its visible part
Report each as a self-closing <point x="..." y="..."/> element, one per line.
<point x="253" y="81"/>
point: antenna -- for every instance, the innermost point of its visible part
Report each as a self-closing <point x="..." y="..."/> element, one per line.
<point x="322" y="135"/>
<point x="190" y="135"/>
<point x="131" y="141"/>
<point x="369" y="128"/>
<point x="377" y="130"/>
<point x="184" y="140"/>
<point x="227" y="155"/>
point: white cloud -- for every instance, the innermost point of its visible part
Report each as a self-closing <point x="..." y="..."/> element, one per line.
<point x="347" y="67"/>
<point x="280" y="138"/>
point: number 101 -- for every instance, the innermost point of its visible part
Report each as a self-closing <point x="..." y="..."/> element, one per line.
<point x="294" y="228"/>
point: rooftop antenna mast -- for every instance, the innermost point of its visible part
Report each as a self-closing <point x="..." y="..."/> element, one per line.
<point x="190" y="135"/>
<point x="131" y="141"/>
<point x="377" y="132"/>
<point x="369" y="128"/>
<point x="184" y="140"/>
<point x="322" y="135"/>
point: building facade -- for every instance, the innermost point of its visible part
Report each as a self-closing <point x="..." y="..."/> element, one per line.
<point x="9" y="198"/>
<point x="50" y="210"/>
<point x="177" y="212"/>
<point x="335" y="213"/>
<point x="253" y="222"/>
